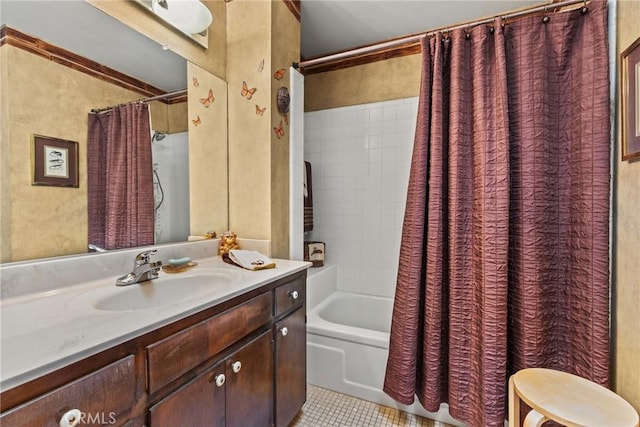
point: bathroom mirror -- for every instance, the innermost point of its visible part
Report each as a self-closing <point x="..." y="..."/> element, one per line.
<point x="44" y="97"/>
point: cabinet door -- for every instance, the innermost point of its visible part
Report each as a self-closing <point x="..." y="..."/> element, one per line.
<point x="199" y="403"/>
<point x="250" y="384"/>
<point x="291" y="366"/>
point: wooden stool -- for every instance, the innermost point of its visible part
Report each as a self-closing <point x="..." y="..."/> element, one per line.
<point x="568" y="399"/>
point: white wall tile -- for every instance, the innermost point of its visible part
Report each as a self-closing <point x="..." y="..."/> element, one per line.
<point x="361" y="157"/>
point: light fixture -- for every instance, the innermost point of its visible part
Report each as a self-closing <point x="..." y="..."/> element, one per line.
<point x="190" y="16"/>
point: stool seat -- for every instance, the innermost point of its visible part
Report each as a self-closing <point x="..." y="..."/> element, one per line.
<point x="567" y="399"/>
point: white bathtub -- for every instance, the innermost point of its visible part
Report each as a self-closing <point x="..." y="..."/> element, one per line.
<point x="348" y="342"/>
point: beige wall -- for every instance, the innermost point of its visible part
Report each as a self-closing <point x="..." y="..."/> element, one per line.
<point x="170" y="118"/>
<point x="177" y="116"/>
<point x="248" y="44"/>
<point x="259" y="32"/>
<point x="211" y="59"/>
<point x="378" y="81"/>
<point x="5" y="172"/>
<point x="45" y="98"/>
<point x="285" y="42"/>
<point x="208" y="177"/>
<point x="627" y="243"/>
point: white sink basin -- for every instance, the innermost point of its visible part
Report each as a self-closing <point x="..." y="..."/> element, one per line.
<point x="167" y="289"/>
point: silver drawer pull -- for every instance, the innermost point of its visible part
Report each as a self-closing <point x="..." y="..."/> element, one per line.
<point x="294" y="294"/>
<point x="236" y="366"/>
<point x="284" y="331"/>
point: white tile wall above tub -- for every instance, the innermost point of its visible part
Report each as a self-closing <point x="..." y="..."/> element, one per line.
<point x="361" y="157"/>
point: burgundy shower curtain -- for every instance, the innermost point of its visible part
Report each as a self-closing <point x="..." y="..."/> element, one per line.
<point x="120" y="181"/>
<point x="504" y="257"/>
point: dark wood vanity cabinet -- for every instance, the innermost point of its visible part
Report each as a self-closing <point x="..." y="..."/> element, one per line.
<point x="241" y="363"/>
<point x="236" y="391"/>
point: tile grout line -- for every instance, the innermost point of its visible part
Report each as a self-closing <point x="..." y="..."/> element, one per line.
<point x="332" y="409"/>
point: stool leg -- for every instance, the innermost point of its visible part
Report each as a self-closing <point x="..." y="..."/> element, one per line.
<point x="534" y="419"/>
<point x="514" y="405"/>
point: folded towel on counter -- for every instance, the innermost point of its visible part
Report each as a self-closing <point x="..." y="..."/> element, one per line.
<point x="251" y="260"/>
<point x="308" y="198"/>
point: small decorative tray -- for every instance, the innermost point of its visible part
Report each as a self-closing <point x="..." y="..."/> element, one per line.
<point x="179" y="268"/>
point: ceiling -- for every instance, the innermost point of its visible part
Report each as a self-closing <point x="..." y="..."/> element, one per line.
<point x="337" y="25"/>
<point x="326" y="25"/>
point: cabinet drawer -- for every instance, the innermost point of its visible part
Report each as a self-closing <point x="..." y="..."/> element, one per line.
<point x="179" y="353"/>
<point x="102" y="397"/>
<point x="290" y="295"/>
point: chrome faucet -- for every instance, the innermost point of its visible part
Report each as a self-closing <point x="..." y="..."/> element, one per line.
<point x="143" y="269"/>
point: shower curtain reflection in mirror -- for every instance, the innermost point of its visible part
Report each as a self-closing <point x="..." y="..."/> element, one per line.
<point x="120" y="186"/>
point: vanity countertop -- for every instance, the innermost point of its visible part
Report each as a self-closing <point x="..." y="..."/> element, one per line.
<point x="45" y="331"/>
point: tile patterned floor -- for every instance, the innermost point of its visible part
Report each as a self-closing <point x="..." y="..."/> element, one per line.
<point x="326" y="408"/>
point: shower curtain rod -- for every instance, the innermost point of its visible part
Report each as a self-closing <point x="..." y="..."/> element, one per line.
<point x="152" y="98"/>
<point x="166" y="95"/>
<point x="416" y="37"/>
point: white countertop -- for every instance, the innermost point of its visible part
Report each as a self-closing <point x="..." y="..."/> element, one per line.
<point x="46" y="331"/>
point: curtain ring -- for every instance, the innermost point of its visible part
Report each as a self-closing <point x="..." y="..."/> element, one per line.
<point x="584" y="9"/>
<point x="467" y="34"/>
<point x="545" y="18"/>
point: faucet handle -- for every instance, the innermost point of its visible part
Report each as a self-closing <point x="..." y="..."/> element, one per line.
<point x="143" y="257"/>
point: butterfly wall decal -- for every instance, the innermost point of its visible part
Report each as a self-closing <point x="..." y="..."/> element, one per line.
<point x="246" y="92"/>
<point x="279" y="74"/>
<point x="196" y="121"/>
<point x="260" y="111"/>
<point x="208" y="100"/>
<point x="279" y="131"/>
<point x="261" y="66"/>
<point x="195" y="82"/>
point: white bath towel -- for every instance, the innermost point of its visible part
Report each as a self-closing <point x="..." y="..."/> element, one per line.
<point x="251" y="260"/>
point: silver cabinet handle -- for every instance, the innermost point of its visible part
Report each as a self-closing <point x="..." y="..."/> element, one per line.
<point x="71" y="418"/>
<point x="284" y="331"/>
<point x="294" y="294"/>
<point x="236" y="366"/>
<point x="220" y="379"/>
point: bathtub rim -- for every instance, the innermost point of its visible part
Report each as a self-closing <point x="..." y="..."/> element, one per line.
<point x="318" y="326"/>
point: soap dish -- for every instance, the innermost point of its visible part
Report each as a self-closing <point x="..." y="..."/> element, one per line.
<point x="179" y="268"/>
